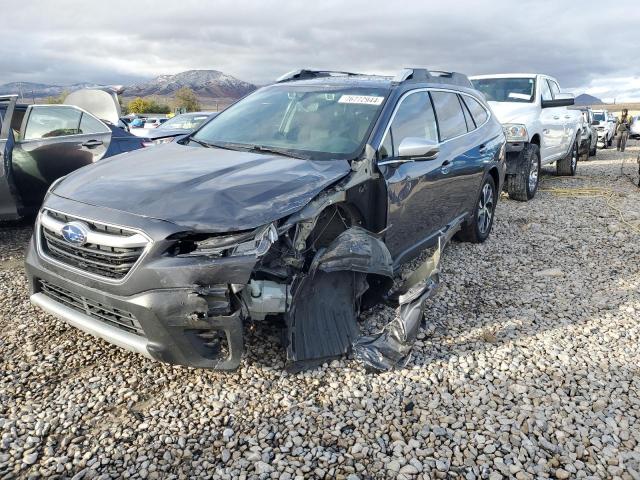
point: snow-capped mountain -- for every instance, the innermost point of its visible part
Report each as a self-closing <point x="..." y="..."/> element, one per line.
<point x="40" y="90"/>
<point x="205" y="83"/>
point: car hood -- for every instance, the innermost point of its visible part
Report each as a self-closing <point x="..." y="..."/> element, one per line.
<point x="154" y="133"/>
<point x="513" y="112"/>
<point x="204" y="189"/>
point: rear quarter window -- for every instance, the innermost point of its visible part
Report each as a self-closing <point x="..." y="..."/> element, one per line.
<point x="478" y="112"/>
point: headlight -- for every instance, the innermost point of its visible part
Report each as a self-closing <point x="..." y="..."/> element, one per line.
<point x="255" y="243"/>
<point x="515" y="132"/>
<point x="158" y="141"/>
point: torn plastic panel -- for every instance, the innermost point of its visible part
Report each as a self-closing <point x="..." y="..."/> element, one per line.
<point x="322" y="320"/>
<point x="391" y="347"/>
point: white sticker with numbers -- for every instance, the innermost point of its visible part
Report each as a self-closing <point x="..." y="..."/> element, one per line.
<point x="361" y="99"/>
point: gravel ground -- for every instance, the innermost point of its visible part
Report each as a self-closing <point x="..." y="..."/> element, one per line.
<point x="527" y="367"/>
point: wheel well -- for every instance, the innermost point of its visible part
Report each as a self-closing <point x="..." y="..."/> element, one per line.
<point x="332" y="221"/>
<point x="536" y="140"/>
<point x="496" y="178"/>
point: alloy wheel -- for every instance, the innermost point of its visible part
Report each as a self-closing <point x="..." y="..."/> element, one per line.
<point x="574" y="158"/>
<point x="485" y="209"/>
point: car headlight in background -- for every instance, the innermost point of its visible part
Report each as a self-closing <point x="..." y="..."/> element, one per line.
<point x="515" y="132"/>
<point x="256" y="242"/>
<point x="158" y="141"/>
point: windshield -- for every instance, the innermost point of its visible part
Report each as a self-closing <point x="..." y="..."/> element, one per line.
<point x="599" y="116"/>
<point x="326" y="122"/>
<point x="506" y="89"/>
<point x="186" y="121"/>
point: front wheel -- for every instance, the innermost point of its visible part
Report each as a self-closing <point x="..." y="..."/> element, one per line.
<point x="478" y="227"/>
<point x="523" y="184"/>
<point x="568" y="165"/>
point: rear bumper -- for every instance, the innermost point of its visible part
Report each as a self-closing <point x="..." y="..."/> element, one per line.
<point x="192" y="325"/>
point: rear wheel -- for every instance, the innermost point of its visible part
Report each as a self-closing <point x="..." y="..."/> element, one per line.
<point x="523" y="185"/>
<point x="569" y="164"/>
<point x="478" y="227"/>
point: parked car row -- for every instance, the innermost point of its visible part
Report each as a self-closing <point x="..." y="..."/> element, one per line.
<point x="299" y="204"/>
<point x="174" y="127"/>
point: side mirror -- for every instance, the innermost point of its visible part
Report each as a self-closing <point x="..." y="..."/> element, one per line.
<point x="561" y="100"/>
<point x="418" y="149"/>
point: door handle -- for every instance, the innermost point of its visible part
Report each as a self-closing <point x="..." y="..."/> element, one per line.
<point x="556" y="117"/>
<point x="567" y="116"/>
<point x="546" y="131"/>
<point x="92" y="143"/>
<point x="482" y="148"/>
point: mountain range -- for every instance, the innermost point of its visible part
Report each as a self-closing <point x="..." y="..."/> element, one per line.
<point x="207" y="84"/>
<point x="586" y="99"/>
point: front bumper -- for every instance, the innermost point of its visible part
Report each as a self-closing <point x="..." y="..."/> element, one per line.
<point x="184" y="310"/>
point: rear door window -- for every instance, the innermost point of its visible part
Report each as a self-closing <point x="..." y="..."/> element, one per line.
<point x="451" y="122"/>
<point x="90" y="124"/>
<point x="478" y="112"/>
<point x="50" y="122"/>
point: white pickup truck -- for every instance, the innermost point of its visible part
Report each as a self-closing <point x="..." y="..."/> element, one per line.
<point x="540" y="129"/>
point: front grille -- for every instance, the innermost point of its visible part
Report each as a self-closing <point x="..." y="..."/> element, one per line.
<point x="104" y="313"/>
<point x="105" y="261"/>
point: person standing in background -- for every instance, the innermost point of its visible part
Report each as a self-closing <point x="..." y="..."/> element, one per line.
<point x="623" y="125"/>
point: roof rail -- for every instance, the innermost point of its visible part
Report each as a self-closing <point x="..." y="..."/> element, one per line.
<point x="432" y="76"/>
<point x="304" y="74"/>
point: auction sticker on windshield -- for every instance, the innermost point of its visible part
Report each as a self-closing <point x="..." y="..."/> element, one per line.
<point x="361" y="99"/>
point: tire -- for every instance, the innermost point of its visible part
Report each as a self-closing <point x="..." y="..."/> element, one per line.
<point x="593" y="151"/>
<point x="478" y="227"/>
<point x="523" y="185"/>
<point x="610" y="143"/>
<point x="568" y="165"/>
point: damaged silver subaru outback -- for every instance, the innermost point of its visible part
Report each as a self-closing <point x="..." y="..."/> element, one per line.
<point x="298" y="204"/>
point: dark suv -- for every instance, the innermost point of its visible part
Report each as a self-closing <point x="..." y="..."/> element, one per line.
<point x="298" y="204"/>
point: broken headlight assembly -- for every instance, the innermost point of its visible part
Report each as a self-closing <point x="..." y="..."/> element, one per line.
<point x="256" y="242"/>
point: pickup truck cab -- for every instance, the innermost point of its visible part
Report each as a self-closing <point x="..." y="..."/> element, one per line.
<point x="606" y="127"/>
<point x="540" y="130"/>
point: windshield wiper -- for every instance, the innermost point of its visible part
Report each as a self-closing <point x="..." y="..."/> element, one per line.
<point x="277" y="151"/>
<point x="214" y="145"/>
<point x="200" y="142"/>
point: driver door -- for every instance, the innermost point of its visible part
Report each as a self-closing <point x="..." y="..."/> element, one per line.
<point x="10" y="206"/>
<point x="415" y="188"/>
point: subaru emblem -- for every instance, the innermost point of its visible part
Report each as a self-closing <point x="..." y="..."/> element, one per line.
<point x="75" y="233"/>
